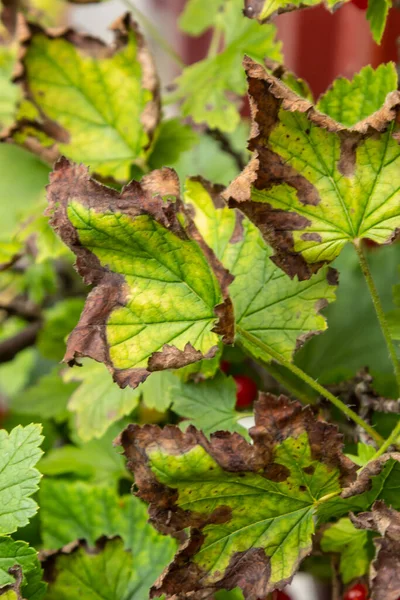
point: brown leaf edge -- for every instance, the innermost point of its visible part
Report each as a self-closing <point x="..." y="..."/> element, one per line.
<point x="268" y="94"/>
<point x="16" y="586"/>
<point x="93" y="47"/>
<point x="277" y="418"/>
<point x="372" y="469"/>
<point x="89" y="336"/>
<point x="385" y="569"/>
<point x="253" y="8"/>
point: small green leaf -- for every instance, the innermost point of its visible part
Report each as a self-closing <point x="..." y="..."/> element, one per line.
<point x="19" y="453"/>
<point x="160" y="300"/>
<point x="113" y="93"/>
<point x="377" y="14"/>
<point x="364" y="454"/>
<point x="198" y="15"/>
<point x="208" y="405"/>
<point x="251" y="507"/>
<point x="264" y="9"/>
<point x="207" y="87"/>
<point x="352" y="545"/>
<point x="173" y="139"/>
<point x="269" y="307"/>
<point x="98" y="402"/>
<point x="313" y="186"/>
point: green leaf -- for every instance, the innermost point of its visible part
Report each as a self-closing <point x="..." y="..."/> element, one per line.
<point x="349" y="102"/>
<point x="156" y="390"/>
<point x="13" y="554"/>
<point x="313" y="185"/>
<point x="364" y="454"/>
<point x="264" y="9"/>
<point x="113" y="92"/>
<point x="251" y="506"/>
<point x="377" y="14"/>
<point x="207" y="87"/>
<point x="198" y="16"/>
<point x="352" y="545"/>
<point x="58" y="322"/>
<point x="98" y="402"/>
<point x="48" y="397"/>
<point x="208" y="405"/>
<point x="96" y="460"/>
<point x="159" y="290"/>
<point x="19" y="453"/>
<point x="270" y="308"/>
<point x="393" y="317"/>
<point x="173" y="139"/>
<point x="9" y="92"/>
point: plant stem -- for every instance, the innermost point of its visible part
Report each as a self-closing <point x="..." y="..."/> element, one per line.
<point x="315" y="385"/>
<point x="378" y="309"/>
<point x="289" y="386"/>
<point x="155" y="34"/>
<point x="391" y="440"/>
<point x="215" y="43"/>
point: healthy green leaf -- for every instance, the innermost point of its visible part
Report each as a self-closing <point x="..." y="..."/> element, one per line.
<point x="352" y="545"/>
<point x="159" y="290"/>
<point x="209" y="87"/>
<point x="264" y="9"/>
<point x="208" y="405"/>
<point x="364" y="454"/>
<point x="173" y="139"/>
<point x="98" y="402"/>
<point x="313" y="186"/>
<point x="113" y="92"/>
<point x="19" y="453"/>
<point x="252" y="506"/>
<point x="9" y="93"/>
<point x="377" y="14"/>
<point x="198" y="15"/>
<point x="48" y="397"/>
<point x="156" y="390"/>
<point x="270" y="308"/>
<point x="13" y="554"/>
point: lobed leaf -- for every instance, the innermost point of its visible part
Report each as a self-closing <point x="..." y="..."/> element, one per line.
<point x="18" y="561"/>
<point x="159" y="290"/>
<point x="251" y="507"/>
<point x="113" y="91"/>
<point x="314" y="185"/>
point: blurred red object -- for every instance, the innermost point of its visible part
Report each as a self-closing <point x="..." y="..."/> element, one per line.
<point x="362" y="4"/>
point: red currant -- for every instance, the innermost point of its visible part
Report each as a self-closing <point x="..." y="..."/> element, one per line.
<point x="225" y="366"/>
<point x="246" y="391"/>
<point x="362" y="4"/>
<point x="282" y="596"/>
<point x="357" y="592"/>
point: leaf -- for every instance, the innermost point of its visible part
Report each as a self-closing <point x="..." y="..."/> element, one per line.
<point x="48" y="397"/>
<point x="173" y="139"/>
<point x="80" y="573"/>
<point x="197" y="16"/>
<point x="96" y="460"/>
<point x="314" y="185"/>
<point x="270" y="308"/>
<point x="19" y="554"/>
<point x="377" y="14"/>
<point x="210" y="89"/>
<point x="156" y="390"/>
<point x="364" y="454"/>
<point x="19" y="453"/>
<point x="58" y="322"/>
<point x="9" y="92"/>
<point x="97" y="402"/>
<point x="159" y="290"/>
<point x="385" y="571"/>
<point x="208" y="405"/>
<point x="393" y="317"/>
<point x="264" y="9"/>
<point x="113" y="92"/>
<point x="352" y="545"/>
<point x="251" y="507"/>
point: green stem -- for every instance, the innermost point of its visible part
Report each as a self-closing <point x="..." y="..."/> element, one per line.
<point x="392" y="439"/>
<point x="215" y="43"/>
<point x="155" y="34"/>
<point x="314" y="384"/>
<point x="378" y="309"/>
<point x="288" y="385"/>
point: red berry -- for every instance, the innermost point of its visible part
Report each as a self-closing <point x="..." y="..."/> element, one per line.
<point x="282" y="596"/>
<point x="356" y="592"/>
<point x="246" y="391"/>
<point x="362" y="4"/>
<point x="224" y="365"/>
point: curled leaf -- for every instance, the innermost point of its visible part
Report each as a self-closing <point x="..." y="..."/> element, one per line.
<point x="264" y="9"/>
<point x="251" y="507"/>
<point x="160" y="300"/>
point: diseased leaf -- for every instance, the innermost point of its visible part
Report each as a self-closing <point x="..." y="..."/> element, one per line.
<point x="270" y="308"/>
<point x="264" y="9"/>
<point x="251" y="507"/>
<point x="208" y="405"/>
<point x="313" y="184"/>
<point x="211" y="88"/>
<point x="14" y="555"/>
<point x="377" y="14"/>
<point x="385" y="570"/>
<point x="19" y="453"/>
<point x="113" y="92"/>
<point x="160" y="299"/>
<point x="98" y="402"/>
<point x="352" y="545"/>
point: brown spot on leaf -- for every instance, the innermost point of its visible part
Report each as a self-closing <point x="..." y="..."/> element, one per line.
<point x="311" y="237"/>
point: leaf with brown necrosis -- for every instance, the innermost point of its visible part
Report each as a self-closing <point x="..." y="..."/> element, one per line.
<point x="251" y="507"/>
